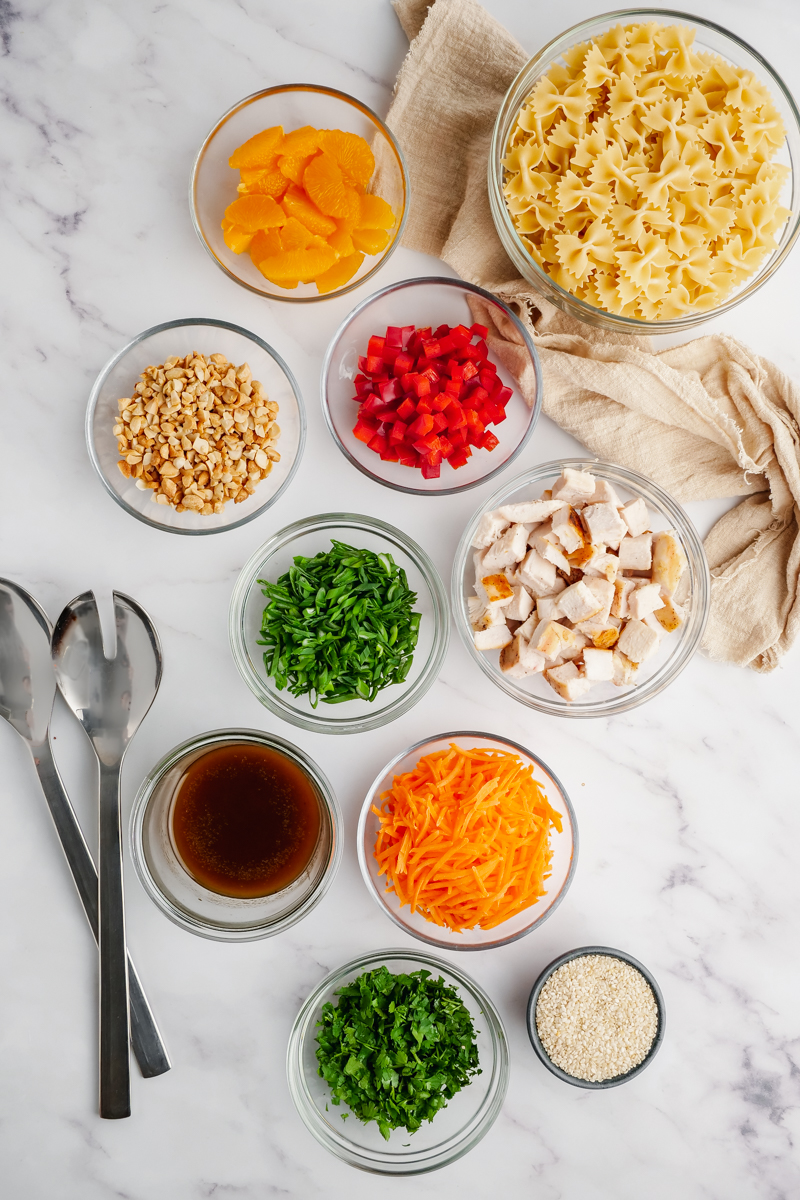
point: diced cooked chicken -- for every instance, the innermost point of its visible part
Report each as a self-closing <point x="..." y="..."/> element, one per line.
<point x="490" y="527"/>
<point x="575" y="647"/>
<point x="636" y="553"/>
<point x="670" y="617"/>
<point x="508" y="549"/>
<point x="526" y="629"/>
<point x="577" y="602"/>
<point x="604" y="638"/>
<point x="574" y="486"/>
<point x="604" y="524"/>
<point x="638" y="641"/>
<point x="553" y="639"/>
<point x="601" y="563"/>
<point x="494" y="590"/>
<point x="568" y="530"/>
<point x="622" y="589"/>
<point x="636" y="516"/>
<point x="624" y="669"/>
<point x="669" y="561"/>
<point x="546" y="544"/>
<point x="485" y="617"/>
<point x="603" y="592"/>
<point x="530" y="512"/>
<point x="493" y="638"/>
<point x="604" y="494"/>
<point x="658" y="629"/>
<point x="519" y="659"/>
<point x="537" y="574"/>
<point x="598" y="665"/>
<point x="547" y="608"/>
<point x="644" y="600"/>
<point x="521" y="605"/>
<point x="567" y="681"/>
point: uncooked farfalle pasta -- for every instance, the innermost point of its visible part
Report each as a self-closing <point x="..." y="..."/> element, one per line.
<point x="639" y="174"/>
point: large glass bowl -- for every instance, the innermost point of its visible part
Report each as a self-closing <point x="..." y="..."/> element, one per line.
<point x="709" y="37"/>
<point x="454" y="1130"/>
<point x="564" y="846"/>
<point x="605" y="699"/>
<point x="293" y="105"/>
<point x="307" y="538"/>
<point x="424" y="302"/>
<point x="185" y="901"/>
<point x="177" y="339"/>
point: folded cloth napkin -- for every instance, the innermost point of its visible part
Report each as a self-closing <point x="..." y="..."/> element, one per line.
<point x="706" y="419"/>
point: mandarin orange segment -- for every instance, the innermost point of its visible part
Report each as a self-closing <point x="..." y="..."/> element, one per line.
<point x="265" y="244"/>
<point x="293" y="166"/>
<point x="236" y="239"/>
<point x="295" y="236"/>
<point x="301" y="143"/>
<point x="341" y="240"/>
<point x="375" y="213"/>
<point x="371" y="241"/>
<point x="339" y="274"/>
<point x="351" y="153"/>
<point x="326" y="186"/>
<point x="297" y="204"/>
<point x="305" y="265"/>
<point x="263" y="183"/>
<point x="253" y="212"/>
<point x="259" y="150"/>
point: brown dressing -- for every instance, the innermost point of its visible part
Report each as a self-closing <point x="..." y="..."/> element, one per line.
<point x="245" y="820"/>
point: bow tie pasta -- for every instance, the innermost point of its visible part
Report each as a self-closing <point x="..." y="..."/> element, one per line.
<point x="639" y="174"/>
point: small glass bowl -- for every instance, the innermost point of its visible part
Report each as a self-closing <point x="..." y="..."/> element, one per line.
<point x="536" y="1042"/>
<point x="564" y="845"/>
<point x="605" y="699"/>
<point x="423" y="302"/>
<point x="179" y="338"/>
<point x="307" y="538"/>
<point x="454" y="1131"/>
<point x="293" y="105"/>
<point x="187" y="902"/>
<point x="709" y="38"/>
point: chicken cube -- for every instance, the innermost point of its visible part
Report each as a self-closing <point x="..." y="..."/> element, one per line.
<point x="567" y="681"/>
<point x="574" y="647"/>
<point x="638" y="641"/>
<point x="658" y="629"/>
<point x="636" y="517"/>
<point x="493" y="638"/>
<point x="624" y="669"/>
<point x="490" y="528"/>
<point x="669" y="561"/>
<point x="603" y="592"/>
<point x="519" y="659"/>
<point x="604" y="524"/>
<point x="483" y="617"/>
<point x="547" y="608"/>
<point x="527" y="628"/>
<point x="530" y="512"/>
<point x="545" y="543"/>
<point x="508" y="549"/>
<point x="622" y="589"/>
<point x="598" y="664"/>
<point x="537" y="574"/>
<point x="601" y="563"/>
<point x="644" y="600"/>
<point x="553" y="639"/>
<point x="574" y="486"/>
<point x="670" y="617"/>
<point x="604" y="494"/>
<point x="636" y="553"/>
<point x="494" y="590"/>
<point x="521" y="605"/>
<point x="568" y="529"/>
<point x="605" y="638"/>
<point x="577" y="602"/>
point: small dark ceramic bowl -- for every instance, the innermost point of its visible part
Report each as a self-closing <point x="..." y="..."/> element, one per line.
<point x="536" y="1042"/>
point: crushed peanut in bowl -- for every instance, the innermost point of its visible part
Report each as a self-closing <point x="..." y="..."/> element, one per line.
<point x="597" y="1018"/>
<point x="198" y="432"/>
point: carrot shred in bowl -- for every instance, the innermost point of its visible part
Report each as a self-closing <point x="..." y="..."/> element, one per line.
<point x="464" y="837"/>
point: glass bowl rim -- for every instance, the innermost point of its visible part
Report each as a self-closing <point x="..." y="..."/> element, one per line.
<point x="182" y="323"/>
<point x="569" y="303"/>
<point x="207" y="740"/>
<point x="439" y="604"/>
<point x="459" y="285"/>
<point x="533" y="1033"/>
<point x="498" y="1084"/>
<point x="680" y="655"/>
<point x="378" y="896"/>
<point x="325" y="91"/>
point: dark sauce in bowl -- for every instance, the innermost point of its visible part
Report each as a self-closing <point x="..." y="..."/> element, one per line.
<point x="245" y="820"/>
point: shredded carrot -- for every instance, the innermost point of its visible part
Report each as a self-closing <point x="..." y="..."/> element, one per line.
<point x="464" y="837"/>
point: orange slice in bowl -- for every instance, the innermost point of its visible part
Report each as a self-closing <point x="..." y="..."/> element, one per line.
<point x="297" y="204"/>
<point x="371" y="241"/>
<point x="351" y="153"/>
<point x="375" y="213"/>
<point x="259" y="151"/>
<point x="255" y="212"/>
<point x="339" y="274"/>
<point x="270" y="182"/>
<point x="327" y="188"/>
<point x="305" y="265"/>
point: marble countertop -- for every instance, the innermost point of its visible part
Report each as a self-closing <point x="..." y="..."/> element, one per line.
<point x="687" y="806"/>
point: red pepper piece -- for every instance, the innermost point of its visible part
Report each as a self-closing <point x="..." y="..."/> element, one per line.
<point x="378" y="443"/>
<point x="461" y="335"/>
<point x="403" y="364"/>
<point x="424" y="405"/>
<point x="375" y="346"/>
<point x="439" y="422"/>
<point x="362" y="385"/>
<point x="489" y="441"/>
<point x="407" y="410"/>
<point x="452" y="388"/>
<point x="394" y="337"/>
<point x="389" y="354"/>
<point x="408" y="456"/>
<point x="479" y="331"/>
<point x="458" y="436"/>
<point x="422" y="385"/>
<point x="374" y="364"/>
<point x="468" y="370"/>
<point x="459" y="457"/>
<point x="446" y="447"/>
<point x="431" y="472"/>
<point x="439" y="403"/>
<point x="398" y="431"/>
<point x="390" y="391"/>
<point x="390" y="454"/>
<point x="422" y="425"/>
<point x="365" y="430"/>
<point x="442" y="331"/>
<point x="456" y="418"/>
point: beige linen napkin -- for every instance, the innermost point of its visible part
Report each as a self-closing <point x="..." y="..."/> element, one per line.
<point x="706" y="419"/>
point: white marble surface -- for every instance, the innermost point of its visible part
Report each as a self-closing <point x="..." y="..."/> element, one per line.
<point x="687" y="807"/>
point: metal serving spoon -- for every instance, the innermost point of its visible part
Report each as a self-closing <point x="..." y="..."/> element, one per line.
<point x="27" y="692"/>
<point x="110" y="697"/>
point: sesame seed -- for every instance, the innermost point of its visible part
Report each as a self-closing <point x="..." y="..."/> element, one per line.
<point x="597" y="1017"/>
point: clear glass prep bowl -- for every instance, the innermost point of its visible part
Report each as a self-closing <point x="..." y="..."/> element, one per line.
<point x="564" y="846"/>
<point x="307" y="538"/>
<point x="709" y="37"/>
<point x="605" y="699"/>
<point x="422" y="302"/>
<point x="179" y="338"/>
<point x="454" y="1130"/>
<point x="213" y="184"/>
<point x="187" y="902"/>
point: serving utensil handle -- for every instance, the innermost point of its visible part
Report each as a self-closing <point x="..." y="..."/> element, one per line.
<point x="115" y="1089"/>
<point x="148" y="1046"/>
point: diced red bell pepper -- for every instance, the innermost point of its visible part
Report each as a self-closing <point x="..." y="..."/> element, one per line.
<point x="365" y="430"/>
<point x="455" y="369"/>
<point x="403" y="363"/>
<point x="391" y="453"/>
<point x="390" y="391"/>
<point x="362" y="385"/>
<point x="399" y="335"/>
<point x="479" y="331"/>
<point x="422" y="385"/>
<point x="374" y="364"/>
<point x="442" y="331"/>
<point x="489" y="441"/>
<point x="407" y="410"/>
<point x="424" y="405"/>
<point x="389" y="355"/>
<point x="375" y="346"/>
<point x="459" y="457"/>
<point x="458" y="436"/>
<point x="446" y="447"/>
<point x="431" y="472"/>
<point x="408" y="456"/>
<point x="422" y="425"/>
<point x="439" y="403"/>
<point x="398" y="431"/>
<point x="378" y="443"/>
<point x="468" y="370"/>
